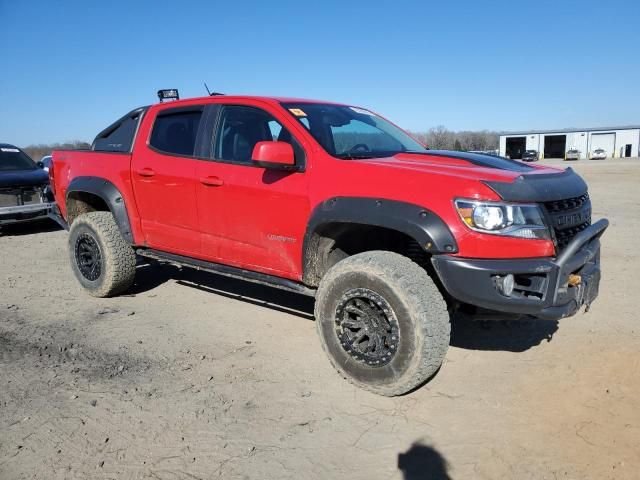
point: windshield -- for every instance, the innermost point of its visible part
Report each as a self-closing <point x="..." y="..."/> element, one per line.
<point x="352" y="132"/>
<point x="12" y="158"/>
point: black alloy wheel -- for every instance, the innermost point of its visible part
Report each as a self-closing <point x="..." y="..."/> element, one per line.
<point x="366" y="327"/>
<point x="382" y="321"/>
<point x="88" y="257"/>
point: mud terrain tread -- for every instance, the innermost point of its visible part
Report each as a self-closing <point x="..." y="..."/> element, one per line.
<point x="426" y="305"/>
<point x="119" y="257"/>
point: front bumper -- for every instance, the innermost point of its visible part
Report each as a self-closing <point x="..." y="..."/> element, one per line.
<point x="56" y="216"/>
<point x="541" y="284"/>
<point x="24" y="213"/>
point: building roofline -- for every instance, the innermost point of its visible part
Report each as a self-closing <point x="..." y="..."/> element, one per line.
<point x="570" y="130"/>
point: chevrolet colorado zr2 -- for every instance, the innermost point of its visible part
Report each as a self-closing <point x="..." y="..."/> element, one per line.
<point x="335" y="202"/>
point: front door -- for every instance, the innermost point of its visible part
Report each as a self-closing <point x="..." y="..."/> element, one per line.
<point x="251" y="217"/>
<point x="164" y="182"/>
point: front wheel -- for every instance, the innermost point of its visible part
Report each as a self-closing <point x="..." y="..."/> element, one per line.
<point x="102" y="261"/>
<point x="382" y="322"/>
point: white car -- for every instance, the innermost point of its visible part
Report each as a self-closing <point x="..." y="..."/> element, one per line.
<point x="598" y="154"/>
<point x="45" y="163"/>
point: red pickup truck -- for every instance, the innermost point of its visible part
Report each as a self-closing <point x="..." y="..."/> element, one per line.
<point x="336" y="202"/>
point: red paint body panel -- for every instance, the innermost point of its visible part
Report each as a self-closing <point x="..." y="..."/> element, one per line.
<point x="115" y="167"/>
<point x="256" y="218"/>
<point x="274" y="152"/>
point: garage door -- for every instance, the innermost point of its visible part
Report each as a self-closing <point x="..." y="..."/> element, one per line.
<point x="555" y="146"/>
<point x="606" y="141"/>
<point x="515" y="147"/>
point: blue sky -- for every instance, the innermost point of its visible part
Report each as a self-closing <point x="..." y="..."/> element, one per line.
<point x="70" y="68"/>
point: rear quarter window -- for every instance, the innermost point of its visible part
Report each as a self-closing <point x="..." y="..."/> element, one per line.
<point x="119" y="136"/>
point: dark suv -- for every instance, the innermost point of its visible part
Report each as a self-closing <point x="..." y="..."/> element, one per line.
<point x="23" y="187"/>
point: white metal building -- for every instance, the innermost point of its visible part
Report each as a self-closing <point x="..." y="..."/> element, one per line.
<point x="615" y="141"/>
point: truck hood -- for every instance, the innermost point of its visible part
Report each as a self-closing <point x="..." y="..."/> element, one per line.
<point x="23" y="178"/>
<point x="462" y="164"/>
<point x="512" y="180"/>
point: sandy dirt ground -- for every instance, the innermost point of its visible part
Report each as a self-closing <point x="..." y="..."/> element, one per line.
<point x="194" y="376"/>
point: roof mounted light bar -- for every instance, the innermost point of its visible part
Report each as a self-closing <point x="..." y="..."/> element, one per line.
<point x="168" y="94"/>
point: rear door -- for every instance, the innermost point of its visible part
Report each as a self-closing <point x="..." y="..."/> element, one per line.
<point x="251" y="217"/>
<point x="163" y="172"/>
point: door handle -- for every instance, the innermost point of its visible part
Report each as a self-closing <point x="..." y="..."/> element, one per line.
<point x="211" y="181"/>
<point x="146" y="172"/>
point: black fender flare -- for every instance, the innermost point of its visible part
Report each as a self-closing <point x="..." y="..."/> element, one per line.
<point x="110" y="194"/>
<point x="419" y="223"/>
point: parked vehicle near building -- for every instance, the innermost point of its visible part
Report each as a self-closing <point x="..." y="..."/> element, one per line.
<point x="598" y="154"/>
<point x="530" y="156"/>
<point x="23" y="187"/>
<point x="572" y="154"/>
<point x="331" y="201"/>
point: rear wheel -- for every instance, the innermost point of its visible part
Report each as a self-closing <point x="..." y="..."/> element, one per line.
<point x="382" y="322"/>
<point x="102" y="261"/>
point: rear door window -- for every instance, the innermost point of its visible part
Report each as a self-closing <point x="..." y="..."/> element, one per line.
<point x="175" y="130"/>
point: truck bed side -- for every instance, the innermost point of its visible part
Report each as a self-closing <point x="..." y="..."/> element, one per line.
<point x="113" y="167"/>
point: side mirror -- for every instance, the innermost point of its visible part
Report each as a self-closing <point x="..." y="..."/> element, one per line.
<point x="40" y="164"/>
<point x="277" y="155"/>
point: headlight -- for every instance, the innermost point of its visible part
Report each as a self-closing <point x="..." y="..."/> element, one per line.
<point x="498" y="218"/>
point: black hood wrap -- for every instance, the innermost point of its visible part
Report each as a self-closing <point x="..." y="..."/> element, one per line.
<point x="547" y="187"/>
<point x="481" y="160"/>
<point x="23" y="178"/>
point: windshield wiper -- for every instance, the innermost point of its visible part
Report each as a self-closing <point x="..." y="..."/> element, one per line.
<point x="354" y="156"/>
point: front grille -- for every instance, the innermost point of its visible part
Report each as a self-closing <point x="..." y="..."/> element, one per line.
<point x="9" y="198"/>
<point x="569" y="217"/>
<point x="31" y="196"/>
<point x="563" y="237"/>
<point x="567" y="204"/>
<point x="13" y="197"/>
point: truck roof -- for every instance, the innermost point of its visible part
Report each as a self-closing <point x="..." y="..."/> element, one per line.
<point x="231" y="98"/>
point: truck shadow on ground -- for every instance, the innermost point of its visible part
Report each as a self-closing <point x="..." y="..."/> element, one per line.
<point x="500" y="335"/>
<point x="466" y="332"/>
<point x="29" y="228"/>
<point x="151" y="275"/>
<point x="422" y="462"/>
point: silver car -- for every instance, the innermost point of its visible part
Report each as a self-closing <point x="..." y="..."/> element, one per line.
<point x="572" y="154"/>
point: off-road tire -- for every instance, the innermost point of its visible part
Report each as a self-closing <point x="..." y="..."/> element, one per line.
<point x="117" y="260"/>
<point x="417" y="306"/>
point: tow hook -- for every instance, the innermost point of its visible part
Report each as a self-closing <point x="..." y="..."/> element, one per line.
<point x="576" y="281"/>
